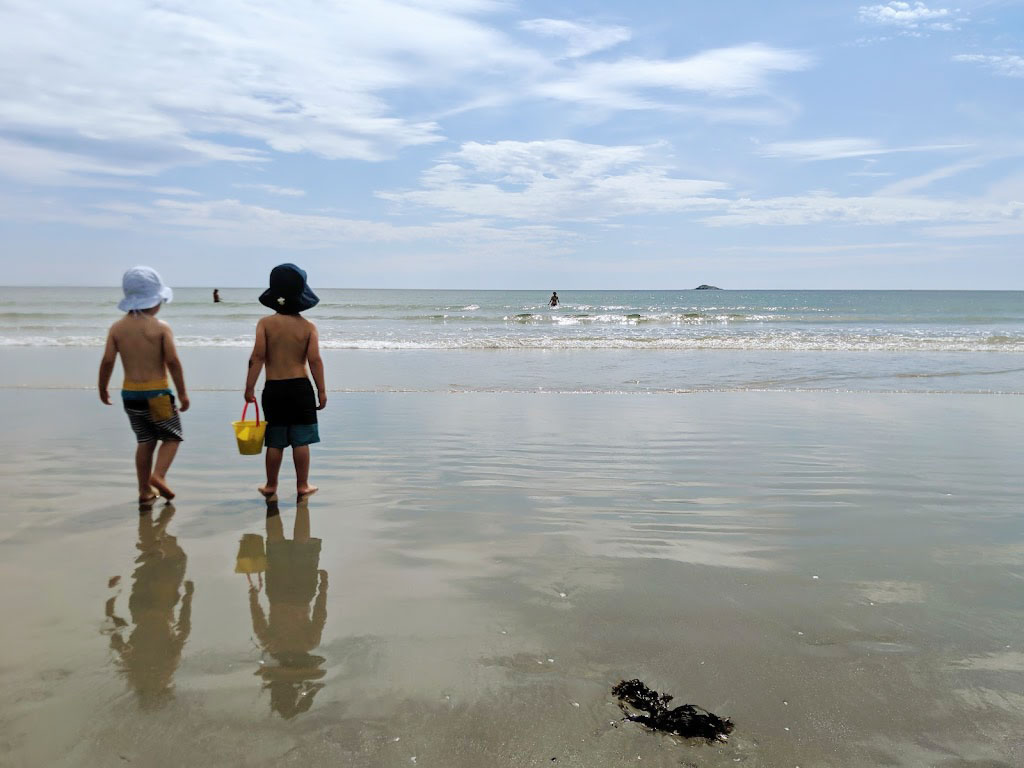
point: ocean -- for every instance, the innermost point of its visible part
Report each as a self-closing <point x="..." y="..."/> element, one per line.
<point x="964" y="341"/>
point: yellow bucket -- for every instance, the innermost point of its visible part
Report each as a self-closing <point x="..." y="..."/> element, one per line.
<point x="252" y="558"/>
<point x="249" y="434"/>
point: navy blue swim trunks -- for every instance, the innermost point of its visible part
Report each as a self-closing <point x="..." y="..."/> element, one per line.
<point x="289" y="407"/>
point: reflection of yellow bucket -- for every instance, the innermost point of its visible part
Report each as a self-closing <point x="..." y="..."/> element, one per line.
<point x="249" y="434"/>
<point x="251" y="556"/>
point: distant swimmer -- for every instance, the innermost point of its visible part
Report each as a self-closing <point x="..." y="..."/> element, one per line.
<point x="216" y="296"/>
<point x="554" y="299"/>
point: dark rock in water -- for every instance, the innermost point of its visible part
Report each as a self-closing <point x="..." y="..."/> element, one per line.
<point x="707" y="287"/>
<point x="687" y="721"/>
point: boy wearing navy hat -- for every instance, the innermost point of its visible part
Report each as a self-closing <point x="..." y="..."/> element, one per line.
<point x="286" y="343"/>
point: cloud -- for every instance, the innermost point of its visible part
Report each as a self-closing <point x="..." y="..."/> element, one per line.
<point x="883" y="210"/>
<point x="232" y="223"/>
<point x="906" y="186"/>
<point x="273" y="189"/>
<point x="1007" y="66"/>
<point x="582" y="39"/>
<point x="176" y="192"/>
<point x="568" y="181"/>
<point x="556" y="180"/>
<point x="223" y="81"/>
<point x="53" y="167"/>
<point x="910" y="16"/>
<point x="820" y="248"/>
<point x="742" y="70"/>
<point x="144" y="87"/>
<point x="839" y="148"/>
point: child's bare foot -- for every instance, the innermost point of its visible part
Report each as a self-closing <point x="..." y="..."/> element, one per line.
<point x="147" y="496"/>
<point x="307" y="491"/>
<point x="162" y="487"/>
<point x="269" y="492"/>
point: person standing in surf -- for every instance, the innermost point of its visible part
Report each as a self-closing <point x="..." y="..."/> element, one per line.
<point x="554" y="299"/>
<point x="286" y="343"/>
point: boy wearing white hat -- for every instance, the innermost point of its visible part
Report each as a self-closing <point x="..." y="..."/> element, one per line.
<point x="146" y="347"/>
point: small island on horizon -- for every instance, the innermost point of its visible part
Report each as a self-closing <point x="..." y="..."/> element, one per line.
<point x="706" y="287"/>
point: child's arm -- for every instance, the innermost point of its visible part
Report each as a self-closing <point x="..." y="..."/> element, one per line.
<point x="256" y="360"/>
<point x="260" y="626"/>
<point x="316" y="366"/>
<point x="320" y="609"/>
<point x="107" y="367"/>
<point x="173" y="363"/>
<point x="184" y="625"/>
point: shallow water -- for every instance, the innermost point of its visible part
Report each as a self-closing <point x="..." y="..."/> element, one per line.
<point x="596" y="341"/>
<point x="839" y="573"/>
<point x="827" y="321"/>
<point x="566" y="371"/>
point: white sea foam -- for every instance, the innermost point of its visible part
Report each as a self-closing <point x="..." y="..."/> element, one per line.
<point x="851" y="321"/>
<point x="795" y="341"/>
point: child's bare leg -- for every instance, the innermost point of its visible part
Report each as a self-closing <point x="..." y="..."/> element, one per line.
<point x="164" y="457"/>
<point x="301" y="531"/>
<point x="144" y="468"/>
<point x="275" y="526"/>
<point x="274" y="458"/>
<point x="300" y="455"/>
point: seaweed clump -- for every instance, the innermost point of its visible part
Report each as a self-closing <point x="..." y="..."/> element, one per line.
<point x="688" y="721"/>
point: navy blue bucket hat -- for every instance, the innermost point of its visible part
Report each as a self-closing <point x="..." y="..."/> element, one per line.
<point x="288" y="293"/>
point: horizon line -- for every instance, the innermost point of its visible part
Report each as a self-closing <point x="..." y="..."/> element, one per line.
<point x="531" y="290"/>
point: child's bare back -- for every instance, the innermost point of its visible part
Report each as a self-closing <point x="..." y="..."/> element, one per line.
<point x="141" y="339"/>
<point x="286" y="341"/>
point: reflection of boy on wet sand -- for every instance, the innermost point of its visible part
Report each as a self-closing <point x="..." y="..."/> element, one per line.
<point x="150" y="656"/>
<point x="291" y="631"/>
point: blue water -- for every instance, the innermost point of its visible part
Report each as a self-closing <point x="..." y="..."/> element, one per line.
<point x="885" y="321"/>
<point x="596" y="341"/>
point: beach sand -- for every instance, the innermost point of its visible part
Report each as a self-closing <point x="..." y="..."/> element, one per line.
<point x="841" y="574"/>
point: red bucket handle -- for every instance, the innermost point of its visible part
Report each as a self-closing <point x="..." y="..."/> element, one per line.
<point x="247" y="404"/>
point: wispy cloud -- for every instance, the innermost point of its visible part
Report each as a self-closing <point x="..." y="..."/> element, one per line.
<point x="303" y="77"/>
<point x="722" y="72"/>
<point x="34" y="164"/>
<point x="911" y="16"/>
<point x="822" y="248"/>
<point x="842" y="147"/>
<point x="556" y="180"/>
<point x="176" y="192"/>
<point x="915" y="183"/>
<point x="581" y="39"/>
<point x="800" y="210"/>
<point x="196" y="82"/>
<point x="273" y="189"/>
<point x="1009" y="65"/>
<point x="232" y="223"/>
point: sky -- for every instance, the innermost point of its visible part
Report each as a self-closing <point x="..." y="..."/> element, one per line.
<point x="502" y="144"/>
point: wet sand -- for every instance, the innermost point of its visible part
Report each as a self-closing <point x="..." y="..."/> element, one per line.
<point x="841" y="574"/>
<point x="608" y="371"/>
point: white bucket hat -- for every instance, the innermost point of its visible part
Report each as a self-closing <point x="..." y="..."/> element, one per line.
<point x="143" y="289"/>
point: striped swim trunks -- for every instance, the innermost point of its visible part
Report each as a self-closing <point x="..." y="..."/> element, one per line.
<point x="151" y="410"/>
